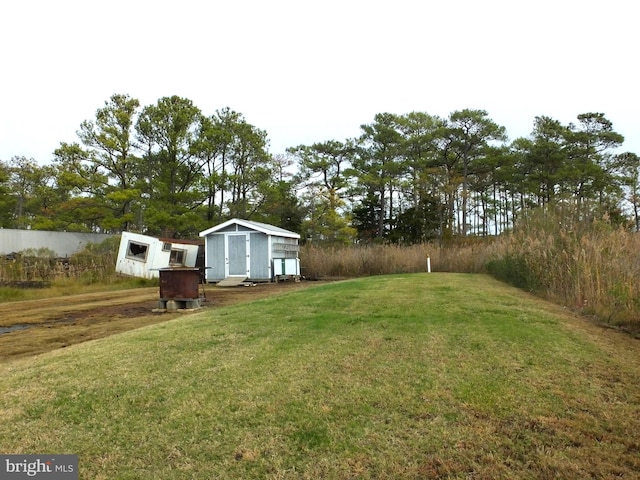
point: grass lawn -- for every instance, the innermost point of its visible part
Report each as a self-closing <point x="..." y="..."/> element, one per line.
<point x="404" y="376"/>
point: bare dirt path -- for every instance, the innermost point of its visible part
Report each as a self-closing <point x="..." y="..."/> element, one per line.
<point x="35" y="326"/>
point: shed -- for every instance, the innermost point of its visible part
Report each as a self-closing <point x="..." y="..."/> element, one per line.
<point x="143" y="256"/>
<point x="246" y="250"/>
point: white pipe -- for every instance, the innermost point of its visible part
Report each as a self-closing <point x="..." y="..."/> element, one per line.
<point x="428" y="264"/>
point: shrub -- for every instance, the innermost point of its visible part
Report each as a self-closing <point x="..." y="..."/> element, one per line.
<point x="513" y="269"/>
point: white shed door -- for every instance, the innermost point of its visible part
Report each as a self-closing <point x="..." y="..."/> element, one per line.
<point x="237" y="255"/>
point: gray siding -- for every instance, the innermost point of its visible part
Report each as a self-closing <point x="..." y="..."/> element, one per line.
<point x="259" y="258"/>
<point x="283" y="247"/>
<point x="215" y="257"/>
<point x="234" y="228"/>
<point x="62" y="243"/>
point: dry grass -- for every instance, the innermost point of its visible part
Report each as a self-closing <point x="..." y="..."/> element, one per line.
<point x="368" y="260"/>
<point x="45" y="324"/>
<point x="595" y="271"/>
<point x="95" y="263"/>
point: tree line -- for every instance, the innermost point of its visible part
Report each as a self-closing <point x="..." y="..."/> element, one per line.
<point x="168" y="169"/>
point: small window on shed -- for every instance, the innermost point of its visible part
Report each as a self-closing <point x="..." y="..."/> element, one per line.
<point x="177" y="257"/>
<point x="137" y="251"/>
<point x="166" y="246"/>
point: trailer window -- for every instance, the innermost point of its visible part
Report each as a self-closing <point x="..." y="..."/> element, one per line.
<point x="177" y="257"/>
<point x="137" y="251"/>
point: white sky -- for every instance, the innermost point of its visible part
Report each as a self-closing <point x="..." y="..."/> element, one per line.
<point x="307" y="70"/>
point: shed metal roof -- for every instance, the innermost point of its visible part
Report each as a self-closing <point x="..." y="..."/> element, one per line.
<point x="260" y="227"/>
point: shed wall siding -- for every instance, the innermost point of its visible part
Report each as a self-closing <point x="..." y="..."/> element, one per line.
<point x="278" y="252"/>
<point x="259" y="260"/>
<point x="215" y="257"/>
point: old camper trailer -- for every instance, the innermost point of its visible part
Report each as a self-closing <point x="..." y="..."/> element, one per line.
<point x="143" y="256"/>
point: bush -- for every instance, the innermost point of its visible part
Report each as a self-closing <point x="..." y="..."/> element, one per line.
<point x="513" y="269"/>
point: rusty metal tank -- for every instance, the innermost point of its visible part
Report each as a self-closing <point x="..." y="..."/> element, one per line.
<point x="179" y="287"/>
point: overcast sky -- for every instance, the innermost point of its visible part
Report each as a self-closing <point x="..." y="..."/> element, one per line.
<point x="307" y="71"/>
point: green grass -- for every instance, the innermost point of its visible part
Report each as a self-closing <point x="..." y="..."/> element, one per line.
<point x="405" y="376"/>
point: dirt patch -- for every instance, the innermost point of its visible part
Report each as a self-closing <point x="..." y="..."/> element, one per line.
<point x="36" y="326"/>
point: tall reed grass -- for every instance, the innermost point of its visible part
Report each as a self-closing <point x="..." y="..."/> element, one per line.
<point x="592" y="268"/>
<point x="366" y="260"/>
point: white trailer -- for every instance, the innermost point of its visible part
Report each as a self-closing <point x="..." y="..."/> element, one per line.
<point x="143" y="256"/>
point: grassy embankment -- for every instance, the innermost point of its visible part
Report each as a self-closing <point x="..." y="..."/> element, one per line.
<point x="405" y="376"/>
<point x="593" y="269"/>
